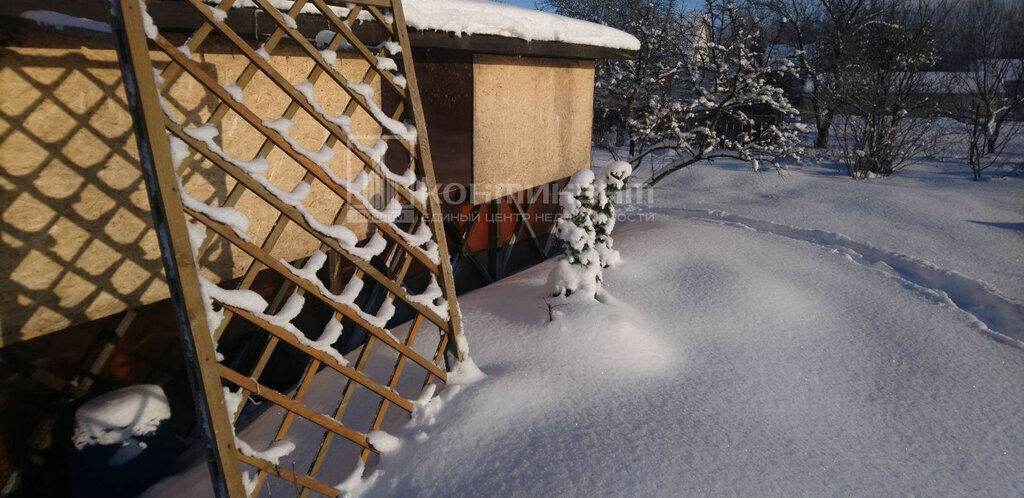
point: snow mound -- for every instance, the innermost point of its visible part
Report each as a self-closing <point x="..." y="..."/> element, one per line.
<point x="119" y="416"/>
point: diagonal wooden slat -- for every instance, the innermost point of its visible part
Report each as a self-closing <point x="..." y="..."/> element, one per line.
<point x="299" y="220"/>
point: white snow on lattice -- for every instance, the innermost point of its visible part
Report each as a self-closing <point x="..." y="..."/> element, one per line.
<point x="217" y="14"/>
<point x="255" y="169"/>
<point x="187" y="52"/>
<point x="289" y="21"/>
<point x="375" y="153"/>
<point x="398" y="128"/>
<point x="234" y="219"/>
<point x="394" y="48"/>
<point x="383" y="442"/>
<point x="179" y="150"/>
<point x="234" y="90"/>
<point x="308" y="8"/>
<point x="273" y="454"/>
<point x="147" y="22"/>
<point x="232" y="399"/>
<point x="429" y="298"/>
<point x="281" y="125"/>
<point x="254" y="303"/>
<point x="159" y="80"/>
<point x="386" y="64"/>
<point x="347" y="297"/>
<point x="262" y="52"/>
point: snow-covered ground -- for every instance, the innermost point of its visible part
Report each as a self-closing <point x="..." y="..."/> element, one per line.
<point x="769" y="334"/>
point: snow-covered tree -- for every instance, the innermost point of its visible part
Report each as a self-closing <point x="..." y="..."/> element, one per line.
<point x="610" y="181"/>
<point x="578" y="269"/>
<point x="880" y="88"/>
<point x="727" y="102"/>
<point x="584" y="231"/>
<point x="703" y="85"/>
<point x="987" y="33"/>
<point x="822" y="32"/>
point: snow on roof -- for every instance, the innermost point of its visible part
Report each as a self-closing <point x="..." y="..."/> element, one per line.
<point x="472" y="17"/>
<point x="459" y="17"/>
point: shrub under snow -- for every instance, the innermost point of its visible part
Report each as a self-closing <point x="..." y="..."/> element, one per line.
<point x="583" y="231"/>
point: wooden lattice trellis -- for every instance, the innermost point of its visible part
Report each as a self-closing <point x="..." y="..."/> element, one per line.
<point x="174" y="154"/>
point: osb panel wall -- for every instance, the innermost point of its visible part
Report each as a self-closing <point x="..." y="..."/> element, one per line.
<point x="532" y="120"/>
<point x="76" y="228"/>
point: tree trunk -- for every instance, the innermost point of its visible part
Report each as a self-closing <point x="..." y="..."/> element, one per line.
<point x="824" y="126"/>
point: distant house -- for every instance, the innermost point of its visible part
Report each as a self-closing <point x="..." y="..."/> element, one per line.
<point x="508" y="101"/>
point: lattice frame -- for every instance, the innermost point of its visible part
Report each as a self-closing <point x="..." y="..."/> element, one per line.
<point x="184" y="241"/>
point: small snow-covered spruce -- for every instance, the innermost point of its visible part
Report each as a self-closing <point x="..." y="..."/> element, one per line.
<point x="578" y="270"/>
<point x="610" y="181"/>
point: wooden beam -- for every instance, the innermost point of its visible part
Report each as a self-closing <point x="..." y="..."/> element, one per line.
<point x="179" y="264"/>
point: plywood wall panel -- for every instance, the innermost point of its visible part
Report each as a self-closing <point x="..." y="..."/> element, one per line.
<point x="532" y="122"/>
<point x="75" y="226"/>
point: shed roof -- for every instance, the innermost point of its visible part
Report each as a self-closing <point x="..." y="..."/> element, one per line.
<point x="471" y="25"/>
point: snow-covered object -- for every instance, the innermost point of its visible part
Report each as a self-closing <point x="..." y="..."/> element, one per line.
<point x="60" y="21"/>
<point x="119" y="418"/>
<point x="860" y="362"/>
<point x="491" y="18"/>
<point x="575" y="235"/>
<point x="147" y="22"/>
<point x="609" y="182"/>
<point x="398" y="128"/>
<point x="470" y="17"/>
<point x="257" y="166"/>
<point x="346" y="298"/>
<point x="383" y="442"/>
<point x="429" y="298"/>
<point x="234" y="90"/>
<point x="273" y="454"/>
<point x="226" y="215"/>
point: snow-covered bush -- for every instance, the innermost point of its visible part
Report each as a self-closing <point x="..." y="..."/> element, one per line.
<point x="578" y="269"/>
<point x="583" y="231"/>
<point x="610" y="181"/>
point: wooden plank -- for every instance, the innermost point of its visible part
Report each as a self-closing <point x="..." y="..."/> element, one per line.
<point x="280" y="80"/>
<point x="358" y="45"/>
<point x="309" y="287"/>
<point x="324" y="358"/>
<point x="211" y="84"/>
<point x="289" y="476"/>
<point x="436" y="218"/>
<point x="393" y="383"/>
<point x="179" y="264"/>
<point x="295" y="407"/>
<point x="297" y="218"/>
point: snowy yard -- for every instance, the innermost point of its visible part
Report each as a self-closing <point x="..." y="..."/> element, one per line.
<point x="783" y="334"/>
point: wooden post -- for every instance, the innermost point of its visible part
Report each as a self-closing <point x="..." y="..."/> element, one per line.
<point x="433" y="206"/>
<point x="175" y="248"/>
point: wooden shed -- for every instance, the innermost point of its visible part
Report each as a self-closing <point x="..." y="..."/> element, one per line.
<point x="507" y="96"/>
